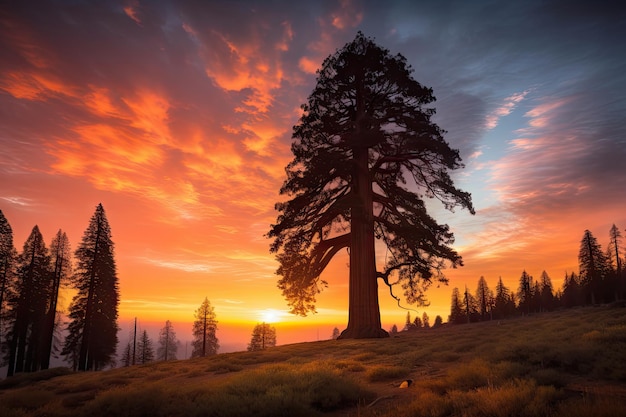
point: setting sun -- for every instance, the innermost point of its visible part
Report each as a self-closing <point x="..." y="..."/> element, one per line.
<point x="271" y="316"/>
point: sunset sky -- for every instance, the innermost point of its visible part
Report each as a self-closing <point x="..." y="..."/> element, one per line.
<point x="177" y="117"/>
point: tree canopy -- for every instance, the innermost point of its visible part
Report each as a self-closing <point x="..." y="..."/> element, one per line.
<point x="366" y="154"/>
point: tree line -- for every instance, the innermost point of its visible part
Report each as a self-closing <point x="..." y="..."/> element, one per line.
<point x="601" y="279"/>
<point x="29" y="290"/>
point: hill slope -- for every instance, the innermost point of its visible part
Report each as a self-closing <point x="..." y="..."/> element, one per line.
<point x="566" y="363"/>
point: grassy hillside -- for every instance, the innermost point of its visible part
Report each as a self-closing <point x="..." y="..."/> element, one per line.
<point x="567" y="363"/>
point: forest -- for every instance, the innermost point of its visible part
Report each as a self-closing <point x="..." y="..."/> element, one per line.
<point x="601" y="279"/>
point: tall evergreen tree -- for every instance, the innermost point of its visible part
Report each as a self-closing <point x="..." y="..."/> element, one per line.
<point x="168" y="343"/>
<point x="28" y="305"/>
<point x="525" y="293"/>
<point x="145" y="350"/>
<point x="483" y="297"/>
<point x="470" y="307"/>
<point x="504" y="305"/>
<point x="263" y="336"/>
<point x="572" y="292"/>
<point x="615" y="253"/>
<point x="364" y="132"/>
<point x="594" y="268"/>
<point x="205" y="341"/>
<point x="8" y="254"/>
<point x="61" y="267"/>
<point x="546" y="291"/>
<point x="92" y="337"/>
<point x="456" y="308"/>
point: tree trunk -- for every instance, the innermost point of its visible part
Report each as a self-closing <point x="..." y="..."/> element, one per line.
<point x="363" y="311"/>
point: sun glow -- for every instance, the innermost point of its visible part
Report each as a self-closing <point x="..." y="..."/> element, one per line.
<point x="269" y="315"/>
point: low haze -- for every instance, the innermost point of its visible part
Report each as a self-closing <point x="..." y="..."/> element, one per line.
<point x="177" y="117"/>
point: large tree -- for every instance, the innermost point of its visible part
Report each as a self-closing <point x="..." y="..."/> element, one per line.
<point x="614" y="252"/>
<point x="204" y="330"/>
<point x="92" y="338"/>
<point x="366" y="153"/>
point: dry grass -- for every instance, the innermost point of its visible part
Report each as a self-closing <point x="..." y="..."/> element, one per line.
<point x="567" y="363"/>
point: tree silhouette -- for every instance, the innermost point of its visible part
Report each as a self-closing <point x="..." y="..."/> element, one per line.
<point x="483" y="297"/>
<point x="335" y="334"/>
<point x="168" y="343"/>
<point x="504" y="305"/>
<point x="28" y="305"/>
<point x="263" y="336"/>
<point x="438" y="322"/>
<point x="525" y="293"/>
<point x="145" y="350"/>
<point x="364" y="133"/>
<point x="204" y="331"/>
<point x="61" y="268"/>
<point x="8" y="255"/>
<point x="456" y="308"/>
<point x="92" y="337"/>
<point x="593" y="268"/>
<point x="615" y="256"/>
<point x="546" y="292"/>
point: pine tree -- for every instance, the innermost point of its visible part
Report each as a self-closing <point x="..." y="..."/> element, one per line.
<point x="263" y="336"/>
<point x="525" y="293"/>
<point x="483" y="297"/>
<point x="425" y="321"/>
<point x="335" y="334"/>
<point x="168" y="343"/>
<point x="8" y="255"/>
<point x="61" y="267"/>
<point x="615" y="257"/>
<point x="594" y="268"/>
<point x="572" y="291"/>
<point x="504" y="306"/>
<point x="205" y="341"/>
<point x="92" y="337"/>
<point x="28" y="305"/>
<point x="547" y="292"/>
<point x="364" y="132"/>
<point x="456" y="308"/>
<point x="145" y="349"/>
<point x="438" y="322"/>
<point x="470" y="307"/>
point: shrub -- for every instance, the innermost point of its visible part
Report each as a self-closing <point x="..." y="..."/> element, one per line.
<point x="383" y="373"/>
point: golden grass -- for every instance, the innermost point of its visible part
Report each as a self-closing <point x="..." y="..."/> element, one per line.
<point x="566" y="363"/>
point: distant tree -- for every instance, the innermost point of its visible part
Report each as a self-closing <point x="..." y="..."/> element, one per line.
<point x="417" y="323"/>
<point x="457" y="316"/>
<point x="425" y="321"/>
<point x="8" y="255"/>
<point x="168" y="343"/>
<point x="27" y="306"/>
<point x="394" y="330"/>
<point x="483" y="297"/>
<point x="615" y="253"/>
<point x="525" y="293"/>
<point x="335" y="334"/>
<point x="365" y="130"/>
<point x="263" y="336"/>
<point x="471" y="307"/>
<point x="205" y="341"/>
<point x="546" y="292"/>
<point x="438" y="322"/>
<point x="572" y="292"/>
<point x="408" y="323"/>
<point x="504" y="305"/>
<point x="61" y="269"/>
<point x="127" y="356"/>
<point x="145" y="349"/>
<point x="92" y="337"/>
<point x="594" y="268"/>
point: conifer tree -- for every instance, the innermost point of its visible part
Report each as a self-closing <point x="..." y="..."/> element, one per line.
<point x="8" y="255"/>
<point x="456" y="308"/>
<point x="145" y="350"/>
<point x="594" y="268"/>
<point x="365" y="132"/>
<point x="615" y="257"/>
<point x="525" y="293"/>
<point x="335" y="334"/>
<point x="168" y="343"/>
<point x="60" y="268"/>
<point x="438" y="322"/>
<point x="28" y="305"/>
<point x="205" y="340"/>
<point x="92" y="337"/>
<point x="483" y="297"/>
<point x="263" y="336"/>
<point x="504" y="306"/>
<point x="547" y="292"/>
